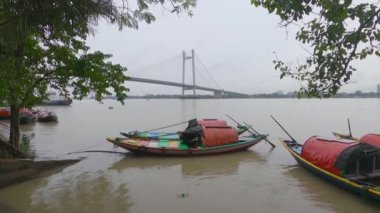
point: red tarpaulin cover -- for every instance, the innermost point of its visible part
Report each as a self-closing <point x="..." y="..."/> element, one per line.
<point x="323" y="153"/>
<point x="219" y="135"/>
<point x="211" y="122"/>
<point x="371" y="139"/>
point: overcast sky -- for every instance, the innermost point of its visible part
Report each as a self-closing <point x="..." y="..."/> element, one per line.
<point x="232" y="39"/>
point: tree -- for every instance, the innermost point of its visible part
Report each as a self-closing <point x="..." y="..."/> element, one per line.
<point x="336" y="31"/>
<point x="42" y="45"/>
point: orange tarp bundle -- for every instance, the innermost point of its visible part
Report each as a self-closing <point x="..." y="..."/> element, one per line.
<point x="217" y="133"/>
<point x="218" y="136"/>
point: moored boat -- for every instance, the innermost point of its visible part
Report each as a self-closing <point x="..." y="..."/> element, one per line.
<point x="345" y="136"/>
<point x="350" y="165"/>
<point x="5" y="113"/>
<point x="201" y="137"/>
<point x="45" y="116"/>
<point x="57" y="100"/>
<point x="65" y="102"/>
<point x="26" y="116"/>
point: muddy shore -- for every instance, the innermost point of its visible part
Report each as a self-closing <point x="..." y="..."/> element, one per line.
<point x="16" y="171"/>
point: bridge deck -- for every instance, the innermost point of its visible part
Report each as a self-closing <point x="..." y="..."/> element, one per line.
<point x="187" y="86"/>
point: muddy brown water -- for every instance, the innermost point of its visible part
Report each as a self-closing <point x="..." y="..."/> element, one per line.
<point x="260" y="179"/>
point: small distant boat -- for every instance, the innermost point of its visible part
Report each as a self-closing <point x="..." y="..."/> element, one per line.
<point x="45" y="116"/>
<point x="345" y="136"/>
<point x="65" y="102"/>
<point x="201" y="137"/>
<point x="26" y="116"/>
<point x="5" y="113"/>
<point x="57" y="100"/>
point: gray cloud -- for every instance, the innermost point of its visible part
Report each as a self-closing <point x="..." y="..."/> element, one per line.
<point x="234" y="40"/>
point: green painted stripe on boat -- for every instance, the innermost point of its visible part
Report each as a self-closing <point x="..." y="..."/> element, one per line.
<point x="183" y="146"/>
<point x="163" y="143"/>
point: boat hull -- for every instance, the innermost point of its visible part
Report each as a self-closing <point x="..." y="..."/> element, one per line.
<point x="166" y="151"/>
<point x="5" y="114"/>
<point x="334" y="179"/>
<point x="58" y="102"/>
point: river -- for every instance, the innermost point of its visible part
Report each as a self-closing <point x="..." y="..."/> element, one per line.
<point x="260" y="179"/>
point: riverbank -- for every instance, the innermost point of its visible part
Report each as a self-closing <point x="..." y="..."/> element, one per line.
<point x="16" y="171"/>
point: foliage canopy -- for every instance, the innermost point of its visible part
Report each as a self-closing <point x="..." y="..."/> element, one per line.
<point x="337" y="31"/>
<point x="42" y="45"/>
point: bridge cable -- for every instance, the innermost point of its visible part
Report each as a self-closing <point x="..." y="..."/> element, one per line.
<point x="205" y="68"/>
<point x="200" y="73"/>
<point x="153" y="67"/>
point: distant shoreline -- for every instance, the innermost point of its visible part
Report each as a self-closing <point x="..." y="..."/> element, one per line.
<point x="255" y="96"/>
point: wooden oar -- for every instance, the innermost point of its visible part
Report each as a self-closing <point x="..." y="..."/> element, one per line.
<point x="349" y="126"/>
<point x="127" y="134"/>
<point x="164" y="127"/>
<point x="283" y="128"/>
<point x="250" y="129"/>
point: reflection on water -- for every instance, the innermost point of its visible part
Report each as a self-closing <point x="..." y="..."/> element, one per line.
<point x="97" y="192"/>
<point x="257" y="180"/>
<point x="207" y="166"/>
<point x="117" y="183"/>
<point x="92" y="189"/>
<point x="327" y="194"/>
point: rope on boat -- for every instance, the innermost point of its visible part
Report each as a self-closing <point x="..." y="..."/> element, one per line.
<point x="89" y="147"/>
<point x="83" y="150"/>
<point x="164" y="127"/>
<point x="106" y="151"/>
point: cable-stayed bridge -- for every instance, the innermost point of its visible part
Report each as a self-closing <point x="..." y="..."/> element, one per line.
<point x="217" y="92"/>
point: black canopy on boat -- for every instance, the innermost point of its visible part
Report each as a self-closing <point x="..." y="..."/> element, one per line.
<point x="359" y="159"/>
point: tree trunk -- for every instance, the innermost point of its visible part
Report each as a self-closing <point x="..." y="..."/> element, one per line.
<point x="11" y="149"/>
<point x="14" y="134"/>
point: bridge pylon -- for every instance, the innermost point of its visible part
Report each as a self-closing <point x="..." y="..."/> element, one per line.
<point x="184" y="58"/>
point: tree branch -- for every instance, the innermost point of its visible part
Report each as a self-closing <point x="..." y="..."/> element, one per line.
<point x="358" y="39"/>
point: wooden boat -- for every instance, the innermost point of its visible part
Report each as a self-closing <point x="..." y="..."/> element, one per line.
<point x="65" y="102"/>
<point x="26" y="116"/>
<point x="57" y="100"/>
<point x="45" y="116"/>
<point x="5" y="113"/>
<point x="345" y="136"/>
<point x="201" y="137"/>
<point x="350" y="165"/>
